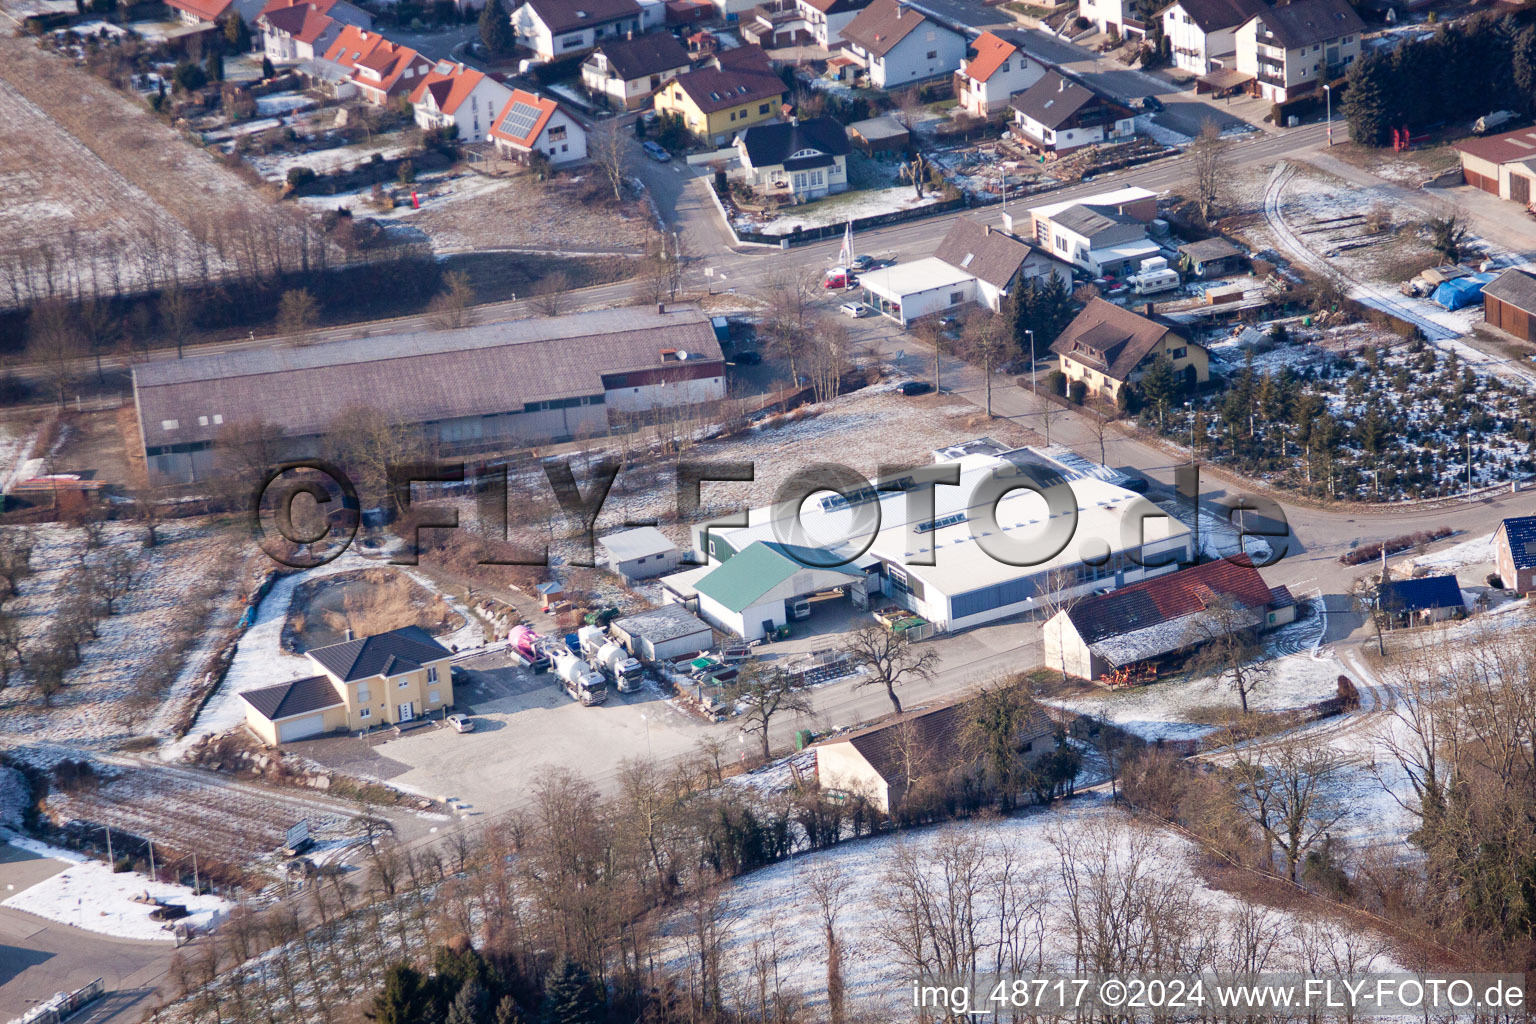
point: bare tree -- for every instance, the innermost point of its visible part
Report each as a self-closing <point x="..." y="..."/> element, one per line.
<point x="830" y="892"/>
<point x="54" y="341"/>
<point x="115" y="574"/>
<point x="552" y="298"/>
<point x="297" y="314"/>
<point x="988" y="341"/>
<point x="1059" y="592"/>
<point x="791" y="296"/>
<point x="608" y="149"/>
<point x="1208" y="160"/>
<point x="368" y="442"/>
<point x="826" y="359"/>
<point x="178" y="315"/>
<point x="762" y="691"/>
<point x="1289" y="790"/>
<point x="450" y="308"/>
<point x="1227" y="635"/>
<point x="889" y="658"/>
<point x="1101" y="432"/>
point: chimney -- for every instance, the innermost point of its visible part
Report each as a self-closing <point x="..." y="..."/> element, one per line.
<point x="899" y="8"/>
<point x="661" y="307"/>
<point x="349" y="633"/>
<point x="1149" y="309"/>
<point x="1061" y="85"/>
<point x="794" y="120"/>
<point x="989" y="229"/>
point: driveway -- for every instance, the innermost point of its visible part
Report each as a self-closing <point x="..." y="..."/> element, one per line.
<point x="39" y="958"/>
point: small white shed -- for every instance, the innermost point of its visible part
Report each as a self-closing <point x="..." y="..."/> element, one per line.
<point x="640" y="553"/>
<point x="663" y="633"/>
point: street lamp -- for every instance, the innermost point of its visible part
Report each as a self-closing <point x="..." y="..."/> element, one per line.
<point x="1328" y="98"/>
<point x="1033" y="390"/>
<point x="646" y="719"/>
<point x="1190" y="408"/>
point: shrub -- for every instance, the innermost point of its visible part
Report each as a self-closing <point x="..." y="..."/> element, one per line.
<point x="1057" y="382"/>
<point x="300" y="176"/>
<point x="1077" y="392"/>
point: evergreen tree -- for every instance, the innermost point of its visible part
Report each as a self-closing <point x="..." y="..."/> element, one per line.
<point x="1365" y="105"/>
<point x="471" y="1006"/>
<point x="508" y="1013"/>
<point x="1523" y="67"/>
<point x="496" y="28"/>
<point x="236" y="34"/>
<point x="215" y="67"/>
<point x="403" y="1000"/>
<point x="267" y="70"/>
<point x="570" y="997"/>
<point x="1159" y="385"/>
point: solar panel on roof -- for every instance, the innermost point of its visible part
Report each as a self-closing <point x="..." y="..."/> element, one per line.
<point x="520" y="119"/>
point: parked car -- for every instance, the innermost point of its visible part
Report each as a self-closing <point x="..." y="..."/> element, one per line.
<point x="748" y="358"/>
<point x="1152" y="105"/>
<point x="863" y="262"/>
<point x="839" y="277"/>
<point x="650" y="117"/>
<point x="854" y="309"/>
<point x="655" y="151"/>
<point x="1136" y="483"/>
<point x="461" y="723"/>
<point x="916" y="387"/>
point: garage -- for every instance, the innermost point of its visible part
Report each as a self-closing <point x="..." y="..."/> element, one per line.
<point x="300" y="728"/>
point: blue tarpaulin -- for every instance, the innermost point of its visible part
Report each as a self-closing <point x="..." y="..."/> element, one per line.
<point x="1463" y="291"/>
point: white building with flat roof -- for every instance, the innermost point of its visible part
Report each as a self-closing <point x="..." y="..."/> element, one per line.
<point x="906" y="291"/>
<point x="1013" y="530"/>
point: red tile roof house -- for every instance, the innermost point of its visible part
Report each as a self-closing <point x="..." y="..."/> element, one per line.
<point x="381" y="70"/>
<point x="197" y="12"/>
<point x="995" y="67"/>
<point x="552" y="28"/>
<point x="301" y="30"/>
<point x="453" y="96"/>
<point x="1160" y="617"/>
<point x="530" y="124"/>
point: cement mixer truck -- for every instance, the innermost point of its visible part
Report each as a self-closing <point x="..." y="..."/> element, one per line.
<point x="526" y="647"/>
<point x="618" y="666"/>
<point x="580" y="680"/>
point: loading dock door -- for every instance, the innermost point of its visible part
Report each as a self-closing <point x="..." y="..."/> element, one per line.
<point x="299" y="728"/>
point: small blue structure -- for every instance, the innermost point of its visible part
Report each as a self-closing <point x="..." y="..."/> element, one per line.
<point x="1463" y="291"/>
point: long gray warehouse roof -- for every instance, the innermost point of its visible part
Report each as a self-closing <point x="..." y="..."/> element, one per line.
<point x="421" y="376"/>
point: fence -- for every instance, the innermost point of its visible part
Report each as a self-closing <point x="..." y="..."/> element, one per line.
<point x="859" y="224"/>
<point x="62" y="1006"/>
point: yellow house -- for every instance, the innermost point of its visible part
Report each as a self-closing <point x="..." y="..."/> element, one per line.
<point x="384" y="679"/>
<point x="718" y="101"/>
<point x="1107" y="347"/>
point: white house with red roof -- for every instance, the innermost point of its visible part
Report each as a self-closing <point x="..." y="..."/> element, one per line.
<point x="380" y="69"/>
<point x="826" y="19"/>
<point x="995" y="67"/>
<point x="531" y="124"/>
<point x="198" y="12"/>
<point x="301" y="30"/>
<point x="454" y="96"/>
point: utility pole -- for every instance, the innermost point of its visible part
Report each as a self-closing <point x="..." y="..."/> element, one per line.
<point x="1033" y="372"/>
<point x="110" y="861"/>
<point x="196" y="888"/>
<point x="1469" y="467"/>
<point x="152" y="872"/>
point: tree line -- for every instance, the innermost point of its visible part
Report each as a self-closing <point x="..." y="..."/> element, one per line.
<point x="1466" y="69"/>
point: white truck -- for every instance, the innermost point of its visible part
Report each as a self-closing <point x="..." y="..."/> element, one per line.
<point x="1154" y="276"/>
<point x="625" y="671"/>
<point x="580" y="680"/>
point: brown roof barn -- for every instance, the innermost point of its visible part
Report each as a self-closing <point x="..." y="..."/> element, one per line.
<point x="1509" y="303"/>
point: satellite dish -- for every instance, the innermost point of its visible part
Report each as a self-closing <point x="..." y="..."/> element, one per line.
<point x="682" y="354"/>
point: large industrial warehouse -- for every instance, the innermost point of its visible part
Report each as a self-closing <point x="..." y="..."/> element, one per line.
<point x="525" y="381"/>
<point x="1117" y="533"/>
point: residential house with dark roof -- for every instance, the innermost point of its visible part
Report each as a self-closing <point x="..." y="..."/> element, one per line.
<point x="1514" y="547"/>
<point x="530" y="124"/>
<point x="519" y="382"/>
<point x="883" y="762"/>
<point x="1509" y="303"/>
<point x="301" y="30"/>
<point x="453" y="96"/>
<point x="555" y="28"/>
<point x="999" y="261"/>
<point x="627" y="72"/>
<point x="994" y="68"/>
<point x="898" y="44"/>
<point x="386" y="679"/>
<point x="736" y="90"/>
<point x="1104" y="234"/>
<point x="1292" y="49"/>
<point x="1501" y="165"/>
<point x="379" y="69"/>
<point x="826" y="19"/>
<point x="1059" y="114"/>
<point x="1202" y="34"/>
<point x="1420" y="601"/>
<point x="1107" y="347"/>
<point x="807" y="159"/>
<point x="1169" y="614"/>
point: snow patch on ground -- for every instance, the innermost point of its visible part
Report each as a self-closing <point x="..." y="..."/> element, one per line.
<point x="89" y="895"/>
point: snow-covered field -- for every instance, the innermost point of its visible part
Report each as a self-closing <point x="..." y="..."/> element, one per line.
<point x="773" y="918"/>
<point x="89" y="895"/>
